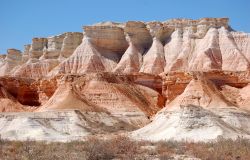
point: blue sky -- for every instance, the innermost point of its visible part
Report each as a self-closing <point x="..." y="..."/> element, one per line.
<point x="21" y="20"/>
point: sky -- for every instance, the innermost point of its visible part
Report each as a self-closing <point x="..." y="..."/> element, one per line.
<point x="21" y="20"/>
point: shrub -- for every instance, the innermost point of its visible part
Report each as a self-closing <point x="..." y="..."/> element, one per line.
<point x="226" y="149"/>
<point x="119" y="146"/>
<point x="122" y="147"/>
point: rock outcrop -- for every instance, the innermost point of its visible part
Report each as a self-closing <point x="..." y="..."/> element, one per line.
<point x="70" y="42"/>
<point x="139" y="39"/>
<point x="84" y="104"/>
<point x="8" y="103"/>
<point x="173" y="80"/>
<point x="132" y="47"/>
<point x="154" y="60"/>
<point x="155" y="47"/>
<point x="11" y="61"/>
<point x="39" y="58"/>
<point x="200" y="113"/>
<point x="63" y="126"/>
<point x="125" y="97"/>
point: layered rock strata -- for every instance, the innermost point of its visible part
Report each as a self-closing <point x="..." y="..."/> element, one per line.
<point x="189" y="77"/>
<point x="63" y="126"/>
<point x="155" y="47"/>
<point x="199" y="113"/>
<point x="134" y="46"/>
<point x="12" y="59"/>
<point x="40" y="57"/>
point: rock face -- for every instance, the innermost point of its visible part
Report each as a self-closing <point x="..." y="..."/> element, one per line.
<point x="134" y="46"/>
<point x="28" y="92"/>
<point x="138" y="39"/>
<point x="200" y="113"/>
<point x="154" y="59"/>
<point x="39" y="58"/>
<point x="173" y="80"/>
<point x="174" y="83"/>
<point x="85" y="59"/>
<point x="155" y="47"/>
<point x="70" y="42"/>
<point x="12" y="60"/>
<point x="126" y="98"/>
<point x="8" y="103"/>
<point x="107" y="37"/>
<point x="58" y="125"/>
<point x="84" y="104"/>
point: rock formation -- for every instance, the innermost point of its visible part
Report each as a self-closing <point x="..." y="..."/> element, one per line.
<point x="200" y="113"/>
<point x="134" y="46"/>
<point x="8" y="103"/>
<point x="126" y="98"/>
<point x="57" y="126"/>
<point x="40" y="57"/>
<point x="11" y="61"/>
<point x="178" y="79"/>
<point x="138" y="39"/>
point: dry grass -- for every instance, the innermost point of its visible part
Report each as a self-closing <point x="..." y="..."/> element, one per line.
<point x="117" y="147"/>
<point x="222" y="149"/>
<point x="31" y="150"/>
<point x="121" y="147"/>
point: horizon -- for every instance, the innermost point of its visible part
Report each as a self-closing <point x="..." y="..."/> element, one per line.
<point x="20" y="22"/>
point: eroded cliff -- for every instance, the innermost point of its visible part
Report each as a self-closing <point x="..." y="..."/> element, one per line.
<point x="189" y="77"/>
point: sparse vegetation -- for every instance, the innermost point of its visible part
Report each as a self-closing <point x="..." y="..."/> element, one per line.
<point x="121" y="147"/>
